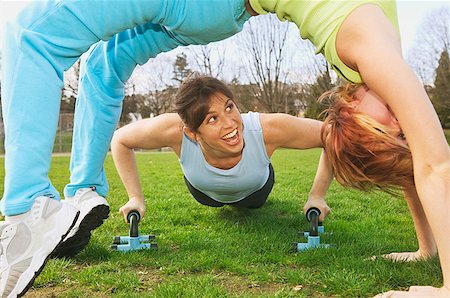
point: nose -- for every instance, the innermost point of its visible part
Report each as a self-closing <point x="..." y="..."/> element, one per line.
<point x="228" y="121"/>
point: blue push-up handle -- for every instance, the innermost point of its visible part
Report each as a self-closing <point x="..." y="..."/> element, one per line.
<point x="133" y="218"/>
<point x="315" y="228"/>
<point x="133" y="241"/>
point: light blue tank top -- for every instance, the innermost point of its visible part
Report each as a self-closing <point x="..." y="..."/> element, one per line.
<point x="232" y="185"/>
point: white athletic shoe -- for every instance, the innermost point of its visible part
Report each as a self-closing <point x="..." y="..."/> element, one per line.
<point x="3" y="224"/>
<point x="94" y="209"/>
<point x="26" y="245"/>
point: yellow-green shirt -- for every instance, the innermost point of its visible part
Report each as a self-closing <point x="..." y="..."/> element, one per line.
<point x="320" y="20"/>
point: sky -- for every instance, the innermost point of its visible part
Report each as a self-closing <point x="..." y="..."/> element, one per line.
<point x="410" y="14"/>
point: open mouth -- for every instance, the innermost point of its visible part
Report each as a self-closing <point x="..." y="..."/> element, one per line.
<point x="231" y="138"/>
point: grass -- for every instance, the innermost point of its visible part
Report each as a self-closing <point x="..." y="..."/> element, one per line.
<point x="447" y="134"/>
<point x="63" y="141"/>
<point x="227" y="252"/>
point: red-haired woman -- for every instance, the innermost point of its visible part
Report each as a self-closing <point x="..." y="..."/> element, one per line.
<point x="365" y="148"/>
<point x="361" y="42"/>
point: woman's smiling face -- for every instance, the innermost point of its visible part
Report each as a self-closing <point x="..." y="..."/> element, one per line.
<point x="220" y="134"/>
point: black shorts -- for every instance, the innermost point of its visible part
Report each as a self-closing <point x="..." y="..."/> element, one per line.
<point x="254" y="200"/>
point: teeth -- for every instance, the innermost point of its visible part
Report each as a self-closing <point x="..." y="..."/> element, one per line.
<point x="230" y="135"/>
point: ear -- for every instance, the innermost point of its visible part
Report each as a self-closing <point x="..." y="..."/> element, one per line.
<point x="191" y="135"/>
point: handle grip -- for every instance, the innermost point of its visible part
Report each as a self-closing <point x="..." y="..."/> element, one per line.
<point x="133" y="218"/>
<point x="312" y="215"/>
<point x="134" y="213"/>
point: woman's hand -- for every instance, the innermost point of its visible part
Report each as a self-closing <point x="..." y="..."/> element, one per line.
<point x="319" y="203"/>
<point x="133" y="204"/>
<point x="406" y="256"/>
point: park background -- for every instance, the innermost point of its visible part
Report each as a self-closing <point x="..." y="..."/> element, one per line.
<point x="268" y="66"/>
<point x="227" y="252"/>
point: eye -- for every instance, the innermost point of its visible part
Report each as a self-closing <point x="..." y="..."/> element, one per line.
<point x="211" y="119"/>
<point x="229" y="107"/>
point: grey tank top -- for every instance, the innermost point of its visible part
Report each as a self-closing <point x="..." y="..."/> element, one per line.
<point x="232" y="185"/>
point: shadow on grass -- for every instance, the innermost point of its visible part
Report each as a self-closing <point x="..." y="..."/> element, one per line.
<point x="94" y="253"/>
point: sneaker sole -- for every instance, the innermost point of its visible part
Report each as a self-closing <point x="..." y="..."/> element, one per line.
<point x="41" y="267"/>
<point x="73" y="245"/>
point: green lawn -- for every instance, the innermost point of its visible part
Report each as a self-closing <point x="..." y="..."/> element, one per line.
<point x="227" y="252"/>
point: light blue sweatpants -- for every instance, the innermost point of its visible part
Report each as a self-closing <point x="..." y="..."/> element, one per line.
<point x="47" y="38"/>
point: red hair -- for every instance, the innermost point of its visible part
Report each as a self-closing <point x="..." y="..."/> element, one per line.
<point x="363" y="153"/>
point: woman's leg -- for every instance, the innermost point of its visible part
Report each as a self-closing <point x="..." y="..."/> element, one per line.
<point x="47" y="39"/>
<point x="100" y="94"/>
<point x="110" y="64"/>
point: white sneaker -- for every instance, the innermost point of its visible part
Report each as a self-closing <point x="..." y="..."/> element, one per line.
<point x="3" y="224"/>
<point x="94" y="209"/>
<point x="26" y="245"/>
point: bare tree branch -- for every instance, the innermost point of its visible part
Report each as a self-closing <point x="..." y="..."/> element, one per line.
<point x="210" y="58"/>
<point x="265" y="45"/>
<point x="432" y="38"/>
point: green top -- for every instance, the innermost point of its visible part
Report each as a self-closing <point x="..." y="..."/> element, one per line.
<point x="320" y="20"/>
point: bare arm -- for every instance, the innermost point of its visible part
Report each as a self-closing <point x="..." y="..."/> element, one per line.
<point x="367" y="42"/>
<point x="322" y="181"/>
<point x="154" y="133"/>
<point x="286" y="131"/>
<point x="427" y="246"/>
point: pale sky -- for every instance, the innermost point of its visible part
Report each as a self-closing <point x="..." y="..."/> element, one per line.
<point x="410" y="14"/>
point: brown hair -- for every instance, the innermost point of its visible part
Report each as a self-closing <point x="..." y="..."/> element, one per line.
<point x="193" y="98"/>
<point x="362" y="152"/>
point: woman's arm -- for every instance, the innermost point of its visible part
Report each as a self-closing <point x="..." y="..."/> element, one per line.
<point x="154" y="133"/>
<point x="368" y="43"/>
<point x="322" y="181"/>
<point x="427" y="246"/>
<point x="286" y="131"/>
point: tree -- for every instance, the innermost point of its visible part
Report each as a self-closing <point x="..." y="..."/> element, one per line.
<point x="264" y="40"/>
<point x="148" y="91"/>
<point x="432" y="38"/>
<point x="210" y="58"/>
<point x="440" y="94"/>
<point x="70" y="90"/>
<point x="156" y="87"/>
<point x="130" y="102"/>
<point x="313" y="91"/>
<point x="243" y="96"/>
<point x="180" y="68"/>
